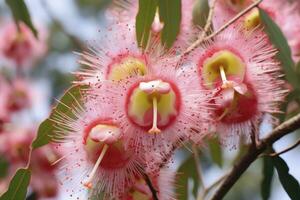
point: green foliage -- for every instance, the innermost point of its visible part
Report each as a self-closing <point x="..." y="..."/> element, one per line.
<point x="21" y="13"/>
<point x="92" y="6"/>
<point x="268" y="172"/>
<point x="186" y="171"/>
<point x="144" y="20"/>
<point x="3" y="167"/>
<point x="70" y="100"/>
<point x="215" y="151"/>
<point x="170" y="16"/>
<point x="289" y="183"/>
<point x="284" y="55"/>
<point x="200" y="12"/>
<point x="18" y="186"/>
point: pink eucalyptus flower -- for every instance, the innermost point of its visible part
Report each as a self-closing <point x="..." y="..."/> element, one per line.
<point x="4" y="99"/>
<point x="116" y="57"/>
<point x="21" y="95"/>
<point x="241" y="70"/>
<point x="96" y="158"/>
<point x="284" y="13"/>
<point x="20" y="46"/>
<point x="159" y="108"/>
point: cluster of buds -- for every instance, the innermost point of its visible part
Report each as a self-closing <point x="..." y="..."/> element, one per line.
<point x="16" y="96"/>
<point x="140" y="105"/>
<point x="19" y="49"/>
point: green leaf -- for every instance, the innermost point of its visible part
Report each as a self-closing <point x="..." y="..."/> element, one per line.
<point x="170" y="16"/>
<point x="186" y="171"/>
<point x="46" y="131"/>
<point x="298" y="68"/>
<point x="21" y="13"/>
<point x="268" y="172"/>
<point x="289" y="183"/>
<point x="215" y="151"/>
<point x="144" y="20"/>
<point x="3" y="167"/>
<point x="200" y="12"/>
<point x="284" y="55"/>
<point x="18" y="186"/>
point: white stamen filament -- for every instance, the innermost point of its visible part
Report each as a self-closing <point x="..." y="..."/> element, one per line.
<point x="223" y="74"/>
<point x="154" y="128"/>
<point x="226" y="83"/>
<point x="88" y="182"/>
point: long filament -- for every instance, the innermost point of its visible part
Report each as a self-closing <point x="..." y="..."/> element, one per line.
<point x="154" y="128"/>
<point x="88" y="183"/>
<point x="223" y="74"/>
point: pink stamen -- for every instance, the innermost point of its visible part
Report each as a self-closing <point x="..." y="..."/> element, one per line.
<point x="88" y="183"/>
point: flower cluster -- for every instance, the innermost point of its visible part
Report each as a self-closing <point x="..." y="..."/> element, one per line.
<point x="19" y="50"/>
<point x="19" y="47"/>
<point x="142" y="104"/>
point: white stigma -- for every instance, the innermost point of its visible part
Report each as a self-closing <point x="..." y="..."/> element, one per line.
<point x="156" y="87"/>
<point x="226" y="83"/>
<point x="88" y="183"/>
<point x="223" y="74"/>
<point x="238" y="87"/>
<point x="154" y="129"/>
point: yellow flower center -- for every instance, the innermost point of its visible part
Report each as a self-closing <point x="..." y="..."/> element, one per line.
<point x="252" y="20"/>
<point x="127" y="67"/>
<point x="153" y="105"/>
<point x="221" y="66"/>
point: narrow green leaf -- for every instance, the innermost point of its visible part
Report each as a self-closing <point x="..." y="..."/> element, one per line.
<point x="44" y="134"/>
<point x="200" y="12"/>
<point x="215" y="151"/>
<point x="268" y="172"/>
<point x="298" y="69"/>
<point x="170" y="16"/>
<point x="21" y="13"/>
<point x="144" y="20"/>
<point x="186" y="171"/>
<point x="279" y="41"/>
<point x="17" y="189"/>
<point x="289" y="183"/>
<point x="3" y="167"/>
<point x="46" y="131"/>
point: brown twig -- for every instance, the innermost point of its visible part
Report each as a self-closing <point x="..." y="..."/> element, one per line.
<point x="252" y="154"/>
<point x="151" y="187"/>
<point x="206" y="28"/>
<point x="202" y="39"/>
<point x="286" y="150"/>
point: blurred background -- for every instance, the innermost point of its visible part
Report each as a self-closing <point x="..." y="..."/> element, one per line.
<point x="33" y="86"/>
